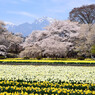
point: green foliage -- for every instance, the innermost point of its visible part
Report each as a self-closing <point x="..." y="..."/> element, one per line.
<point x="93" y="50"/>
<point x="39" y="57"/>
<point x="81" y="58"/>
<point x="65" y="59"/>
<point x="54" y="58"/>
<point x="26" y="57"/>
<point x="2" y="57"/>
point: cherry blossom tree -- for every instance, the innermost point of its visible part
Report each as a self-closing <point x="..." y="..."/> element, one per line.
<point x="31" y="52"/>
<point x="9" y="40"/>
<point x="57" y="40"/>
<point x="86" y="40"/>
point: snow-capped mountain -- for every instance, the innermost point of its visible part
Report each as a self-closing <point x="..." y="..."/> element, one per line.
<point x="27" y="28"/>
<point x="9" y="24"/>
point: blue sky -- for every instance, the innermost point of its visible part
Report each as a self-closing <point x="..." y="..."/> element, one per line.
<point x="20" y="11"/>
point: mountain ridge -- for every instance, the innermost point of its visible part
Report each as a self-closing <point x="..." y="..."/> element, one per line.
<point x="26" y="28"/>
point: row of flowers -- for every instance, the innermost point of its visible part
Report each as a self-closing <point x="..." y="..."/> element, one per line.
<point x="82" y="74"/>
<point x="47" y="61"/>
<point x="40" y="84"/>
<point x="45" y="88"/>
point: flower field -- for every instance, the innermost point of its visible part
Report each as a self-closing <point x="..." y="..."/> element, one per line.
<point x="46" y="80"/>
<point x="45" y="88"/>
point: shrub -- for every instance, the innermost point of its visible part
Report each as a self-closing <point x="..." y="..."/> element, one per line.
<point x="93" y="51"/>
<point x="2" y="57"/>
<point x="64" y="58"/>
<point x="81" y="58"/>
<point x="11" y="55"/>
<point x="26" y="57"/>
<point x="54" y="58"/>
<point x="39" y="57"/>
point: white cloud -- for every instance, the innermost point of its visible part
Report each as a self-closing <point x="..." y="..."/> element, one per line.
<point x="8" y="23"/>
<point x="23" y="13"/>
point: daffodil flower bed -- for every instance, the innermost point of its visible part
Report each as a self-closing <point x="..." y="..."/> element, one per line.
<point x="32" y="61"/>
<point x="45" y="88"/>
<point x="46" y="80"/>
<point x="46" y="73"/>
